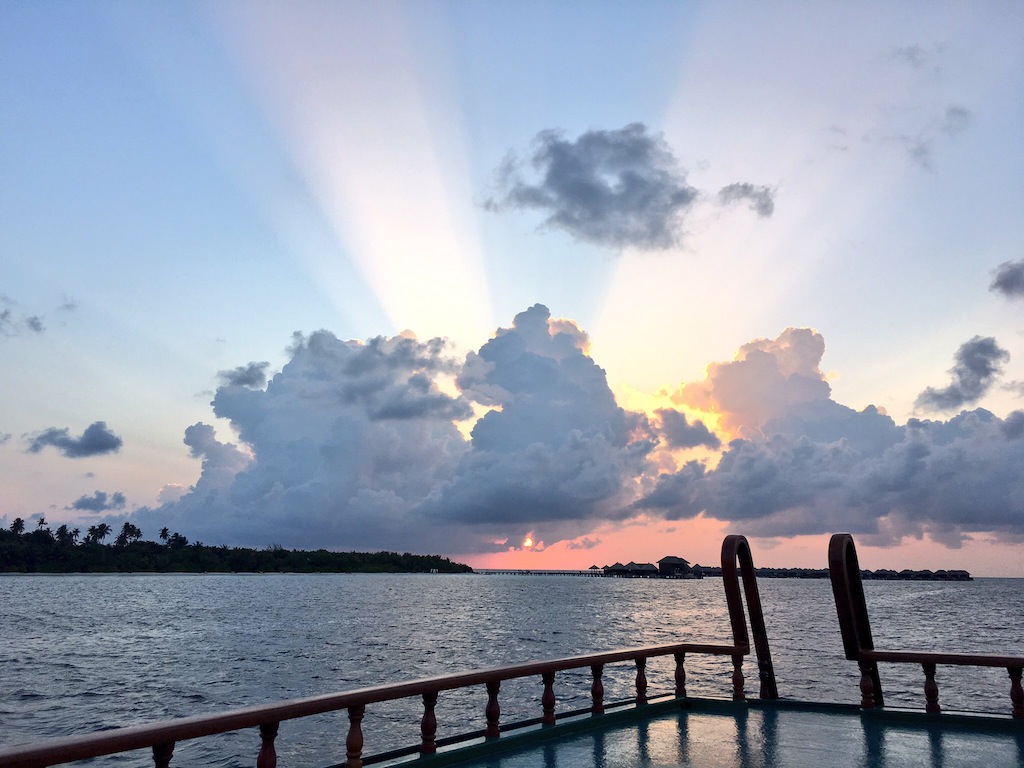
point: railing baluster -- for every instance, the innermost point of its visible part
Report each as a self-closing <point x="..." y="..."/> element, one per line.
<point x="681" y="675"/>
<point x="1016" y="692"/>
<point x="162" y="753"/>
<point x="493" y="710"/>
<point x="268" y="755"/>
<point x="428" y="725"/>
<point x="641" y="680"/>
<point x="354" y="742"/>
<point x="867" y="684"/>
<point x="547" y="701"/>
<point x="931" y="689"/>
<point x="597" y="690"/>
<point x="737" y="677"/>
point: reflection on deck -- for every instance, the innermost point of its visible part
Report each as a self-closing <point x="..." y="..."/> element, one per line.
<point x="713" y="734"/>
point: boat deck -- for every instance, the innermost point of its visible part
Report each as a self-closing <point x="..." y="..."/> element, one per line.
<point x="719" y="734"/>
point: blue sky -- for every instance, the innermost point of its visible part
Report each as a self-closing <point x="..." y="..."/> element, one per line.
<point x="187" y="185"/>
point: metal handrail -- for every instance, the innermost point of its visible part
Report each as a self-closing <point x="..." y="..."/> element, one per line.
<point x="852" y="610"/>
<point x="162" y="736"/>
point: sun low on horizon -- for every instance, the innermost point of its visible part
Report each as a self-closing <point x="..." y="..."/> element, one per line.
<point x="543" y="286"/>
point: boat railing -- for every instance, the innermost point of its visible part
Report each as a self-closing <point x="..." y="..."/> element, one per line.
<point x="161" y="737"/>
<point x="851" y="607"/>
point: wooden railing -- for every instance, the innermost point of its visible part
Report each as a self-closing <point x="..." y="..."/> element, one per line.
<point x="851" y="607"/>
<point x="162" y="737"/>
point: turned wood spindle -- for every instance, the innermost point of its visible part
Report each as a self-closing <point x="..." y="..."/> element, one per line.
<point x="597" y="689"/>
<point x="867" y="685"/>
<point x="162" y="753"/>
<point x="931" y="689"/>
<point x="681" y="675"/>
<point x="354" y="742"/>
<point x="641" y="680"/>
<point x="428" y="725"/>
<point x="1016" y="692"/>
<point x="547" y="701"/>
<point x="493" y="710"/>
<point x="737" y="677"/>
<point x="268" y="755"/>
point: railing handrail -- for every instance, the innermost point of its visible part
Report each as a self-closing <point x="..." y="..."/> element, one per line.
<point x="68" y="749"/>
<point x="852" y="611"/>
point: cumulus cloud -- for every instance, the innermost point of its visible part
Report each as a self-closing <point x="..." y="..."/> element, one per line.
<point x="557" y="448"/>
<point x="97" y="439"/>
<point x="357" y="445"/>
<point x="807" y="464"/>
<point x="979" y="362"/>
<point x="583" y="543"/>
<point x="100" y="501"/>
<point x="337" y="450"/>
<point x="1009" y="279"/>
<point x="760" y="199"/>
<point x="251" y="375"/>
<point x="612" y="188"/>
<point x="680" y="433"/>
<point x="766" y="378"/>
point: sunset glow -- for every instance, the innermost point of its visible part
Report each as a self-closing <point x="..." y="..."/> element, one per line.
<point x="389" y="276"/>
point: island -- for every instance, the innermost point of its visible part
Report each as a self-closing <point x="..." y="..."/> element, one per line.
<point x="67" y="551"/>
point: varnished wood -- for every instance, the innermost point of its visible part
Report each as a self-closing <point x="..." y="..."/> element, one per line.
<point x="641" y="680"/>
<point x="354" y="741"/>
<point x="428" y="725"/>
<point x="493" y="710"/>
<point x="1016" y="692"/>
<point x="268" y="755"/>
<point x="737" y="678"/>
<point x="162" y="754"/>
<point x="597" y="689"/>
<point x="547" y="700"/>
<point x="868" y="672"/>
<point x="931" y="689"/>
<point x="680" y="675"/>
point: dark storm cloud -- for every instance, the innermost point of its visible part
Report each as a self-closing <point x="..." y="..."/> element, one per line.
<point x="34" y="323"/>
<point x="679" y="433"/>
<point x="613" y="188"/>
<point x="978" y="363"/>
<point x="251" y="375"/>
<point x="761" y="200"/>
<point x="100" y="501"/>
<point x="4" y="437"/>
<point x="97" y="439"/>
<point x="1009" y="279"/>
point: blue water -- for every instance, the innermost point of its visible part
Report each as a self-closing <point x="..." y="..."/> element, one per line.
<point x="84" y="652"/>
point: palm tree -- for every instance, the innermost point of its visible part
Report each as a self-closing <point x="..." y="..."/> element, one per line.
<point x="97" y="533"/>
<point x="165" y="534"/>
<point x="18" y="526"/>
<point x="40" y="522"/>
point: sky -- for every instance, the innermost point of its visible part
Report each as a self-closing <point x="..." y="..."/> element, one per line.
<point x="526" y="284"/>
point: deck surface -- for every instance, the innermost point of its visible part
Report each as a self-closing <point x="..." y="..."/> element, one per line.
<point x="764" y="737"/>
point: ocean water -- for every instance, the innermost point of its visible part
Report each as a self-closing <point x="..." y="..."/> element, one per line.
<point x="85" y="652"/>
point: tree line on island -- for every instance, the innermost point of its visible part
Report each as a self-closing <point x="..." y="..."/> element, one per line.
<point x="66" y="550"/>
<point x="672" y="567"/>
